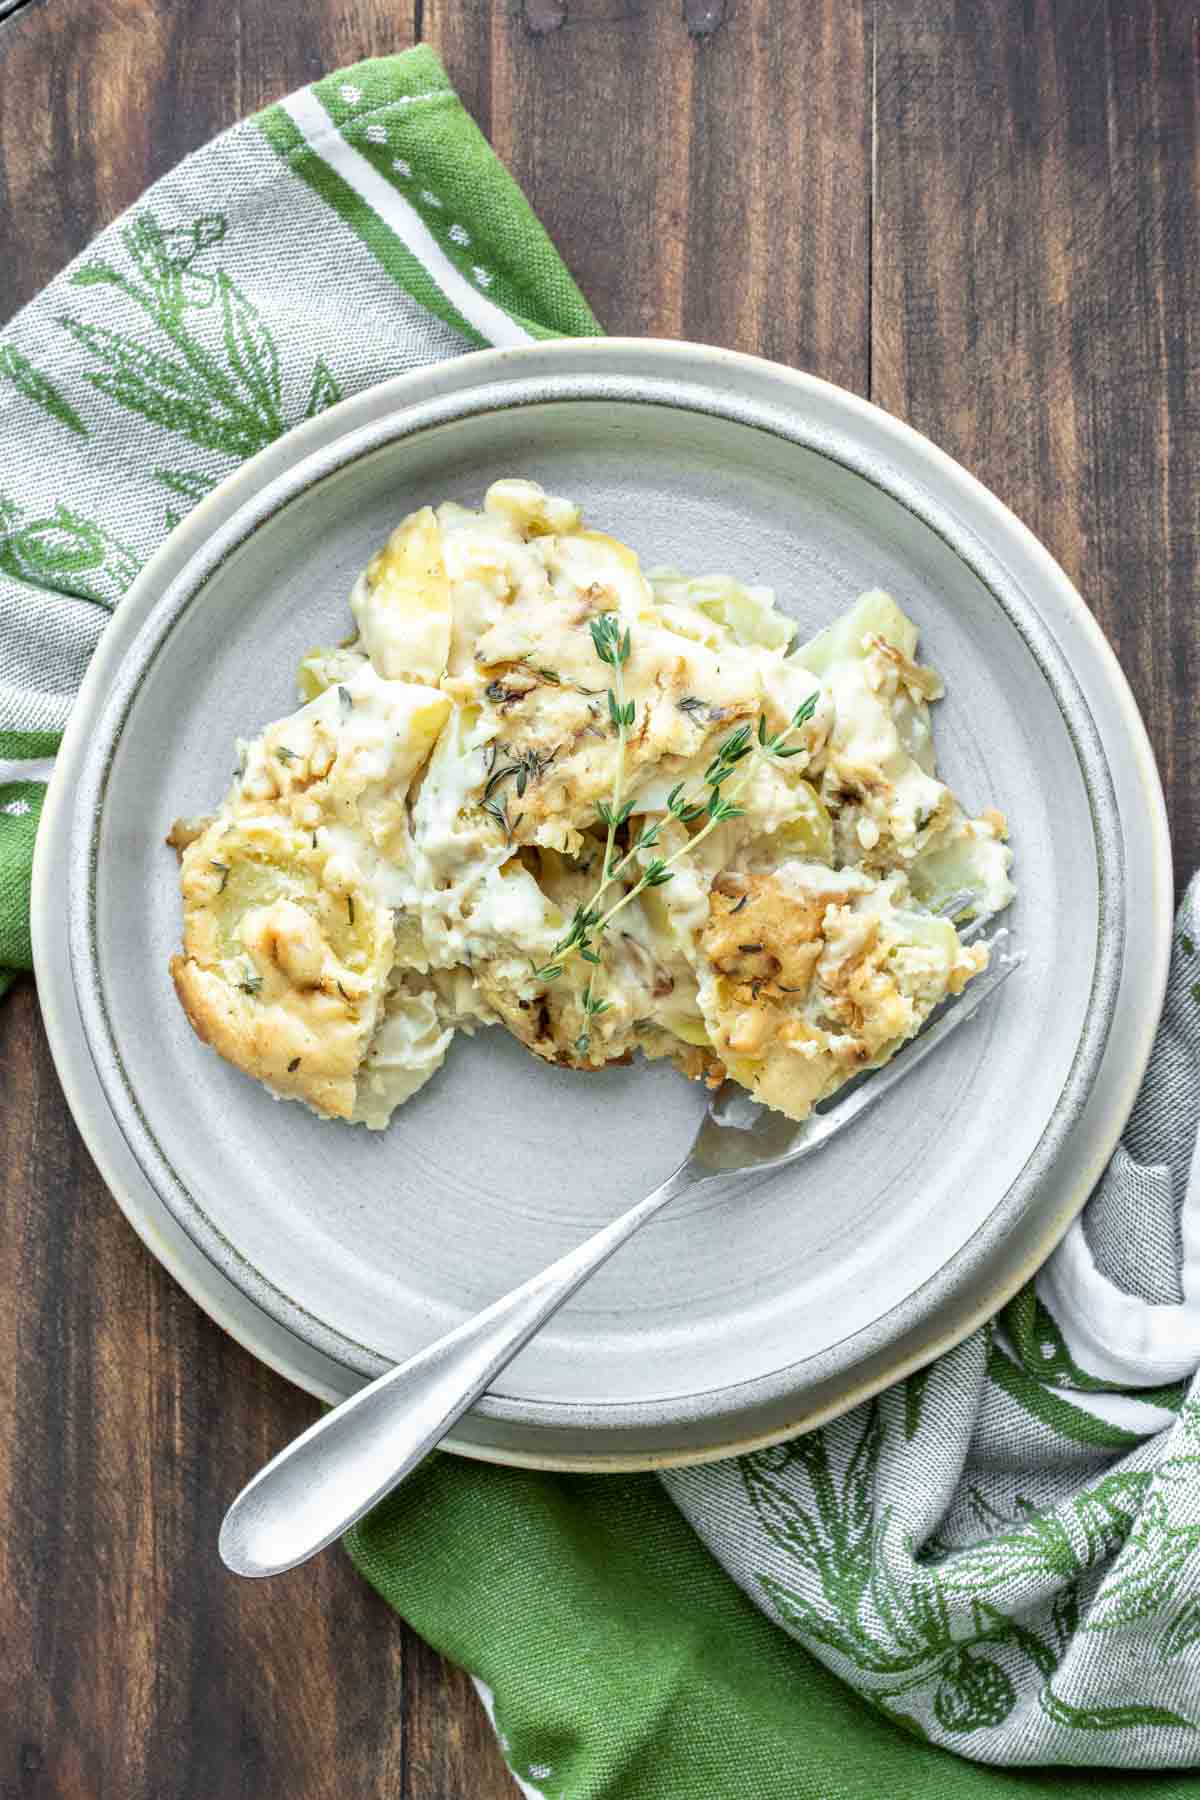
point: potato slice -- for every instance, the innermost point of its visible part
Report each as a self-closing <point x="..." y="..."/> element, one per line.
<point x="281" y="975"/>
<point x="814" y="976"/>
<point x="288" y="892"/>
<point x="874" y="614"/>
<point x="402" y="603"/>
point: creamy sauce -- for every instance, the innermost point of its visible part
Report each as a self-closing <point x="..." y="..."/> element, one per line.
<point x="423" y="829"/>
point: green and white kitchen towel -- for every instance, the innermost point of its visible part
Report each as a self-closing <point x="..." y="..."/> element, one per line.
<point x="1001" y="1556"/>
<point x="360" y="228"/>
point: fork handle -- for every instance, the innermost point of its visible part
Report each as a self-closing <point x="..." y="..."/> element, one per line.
<point x="342" y="1466"/>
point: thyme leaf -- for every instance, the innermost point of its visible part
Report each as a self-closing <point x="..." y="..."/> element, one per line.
<point x="499" y="811"/>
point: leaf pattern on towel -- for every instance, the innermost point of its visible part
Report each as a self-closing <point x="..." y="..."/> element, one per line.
<point x="64" y="551"/>
<point x="952" y="1641"/>
<point x="210" y="368"/>
<point x="30" y="382"/>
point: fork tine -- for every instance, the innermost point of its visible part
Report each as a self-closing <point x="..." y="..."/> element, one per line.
<point x="820" y="1127"/>
<point x="953" y="904"/>
<point x="957" y="903"/>
<point x="974" y="927"/>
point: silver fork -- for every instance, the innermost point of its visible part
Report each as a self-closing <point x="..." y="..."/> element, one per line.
<point x="342" y="1466"/>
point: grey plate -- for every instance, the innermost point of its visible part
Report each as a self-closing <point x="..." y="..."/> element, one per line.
<point x="331" y="1251"/>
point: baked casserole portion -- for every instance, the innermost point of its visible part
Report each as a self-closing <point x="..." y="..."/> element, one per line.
<point x="608" y="808"/>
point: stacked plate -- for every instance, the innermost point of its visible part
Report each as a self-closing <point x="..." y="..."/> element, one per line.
<point x="330" y="1251"/>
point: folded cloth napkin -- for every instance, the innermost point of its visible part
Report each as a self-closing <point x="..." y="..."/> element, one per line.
<point x="1001" y="1556"/>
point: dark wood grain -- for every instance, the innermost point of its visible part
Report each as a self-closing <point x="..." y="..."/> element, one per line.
<point x="705" y="170"/>
<point x="1018" y="279"/>
<point x="132" y="1666"/>
<point x="1036" y="303"/>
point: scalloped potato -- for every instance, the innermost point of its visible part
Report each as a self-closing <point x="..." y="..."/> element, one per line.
<point x="402" y="858"/>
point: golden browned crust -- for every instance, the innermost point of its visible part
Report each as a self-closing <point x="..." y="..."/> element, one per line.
<point x="312" y="1056"/>
<point x="185" y="831"/>
<point x="807" y="991"/>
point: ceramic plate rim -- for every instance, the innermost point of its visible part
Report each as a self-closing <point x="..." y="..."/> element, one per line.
<point x="468" y="395"/>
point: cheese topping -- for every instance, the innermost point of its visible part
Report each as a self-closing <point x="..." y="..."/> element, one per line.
<point x="405" y="855"/>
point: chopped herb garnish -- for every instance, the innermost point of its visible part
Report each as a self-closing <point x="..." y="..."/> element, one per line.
<point x="501" y="695"/>
<point x="347" y="700"/>
<point x="345" y="996"/>
<point x="284" y="754"/>
<point x="529" y="766"/>
<point x="293" y="1065"/>
<point x="251" y="982"/>
<point x="350" y="907"/>
<point x="499" y="776"/>
<point x="223" y="869"/>
<point x="691" y="703"/>
<point x="499" y="811"/>
<point x="742" y="902"/>
<point x="750" y="949"/>
<point x="550" y="675"/>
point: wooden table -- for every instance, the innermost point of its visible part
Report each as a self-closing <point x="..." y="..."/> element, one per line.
<point x="981" y="213"/>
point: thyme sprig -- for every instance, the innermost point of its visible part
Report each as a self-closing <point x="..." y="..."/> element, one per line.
<point x="613" y="647"/>
<point x="732" y="762"/>
<point x="738" y="751"/>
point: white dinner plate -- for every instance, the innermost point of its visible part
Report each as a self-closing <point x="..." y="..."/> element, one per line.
<point x="732" y="1319"/>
